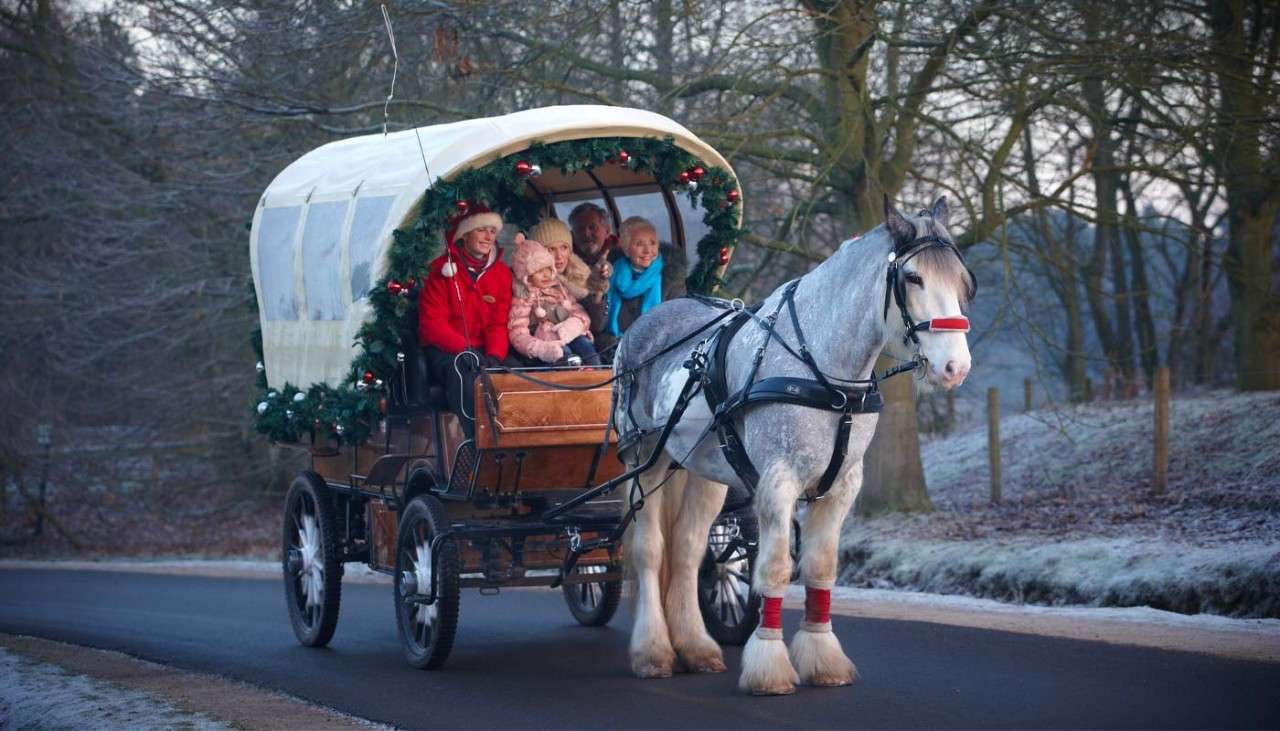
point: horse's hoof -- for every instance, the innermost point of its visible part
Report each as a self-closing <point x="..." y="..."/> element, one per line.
<point x="705" y="658"/>
<point x="655" y="665"/>
<point x="766" y="669"/>
<point x="828" y="681"/>
<point x="779" y="690"/>
<point x="819" y="661"/>
<point x="651" y="670"/>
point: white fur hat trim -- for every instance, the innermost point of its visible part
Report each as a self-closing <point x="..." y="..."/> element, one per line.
<point x="479" y="220"/>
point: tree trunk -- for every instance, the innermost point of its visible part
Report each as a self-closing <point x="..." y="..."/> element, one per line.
<point x="1252" y="197"/>
<point x="1117" y="342"/>
<point x="1140" y="291"/>
<point x="892" y="474"/>
<point x="1255" y="306"/>
<point x="664" y="29"/>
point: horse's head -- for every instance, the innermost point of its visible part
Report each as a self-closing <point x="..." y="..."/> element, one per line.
<point x="928" y="286"/>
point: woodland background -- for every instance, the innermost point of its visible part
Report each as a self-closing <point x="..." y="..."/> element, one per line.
<point x="1113" y="169"/>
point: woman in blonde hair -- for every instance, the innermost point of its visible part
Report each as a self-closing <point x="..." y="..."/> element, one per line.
<point x="584" y="283"/>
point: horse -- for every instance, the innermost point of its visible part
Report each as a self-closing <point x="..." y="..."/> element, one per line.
<point x="909" y="260"/>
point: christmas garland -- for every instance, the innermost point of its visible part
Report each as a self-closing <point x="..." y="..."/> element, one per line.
<point x="350" y="411"/>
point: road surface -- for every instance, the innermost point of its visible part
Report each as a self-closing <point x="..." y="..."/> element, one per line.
<point x="520" y="661"/>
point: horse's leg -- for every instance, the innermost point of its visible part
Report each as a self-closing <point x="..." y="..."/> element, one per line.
<point x="815" y="650"/>
<point x="766" y="668"/>
<point x="699" y="507"/>
<point x="651" y="652"/>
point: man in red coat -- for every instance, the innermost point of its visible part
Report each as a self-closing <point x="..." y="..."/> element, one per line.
<point x="463" y="307"/>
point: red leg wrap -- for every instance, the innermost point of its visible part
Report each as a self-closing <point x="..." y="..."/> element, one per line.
<point x="771" y="613"/>
<point x="817" y="605"/>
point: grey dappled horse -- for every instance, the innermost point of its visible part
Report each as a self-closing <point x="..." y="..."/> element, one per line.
<point x="841" y="311"/>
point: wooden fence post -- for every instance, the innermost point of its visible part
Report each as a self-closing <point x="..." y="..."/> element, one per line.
<point x="1026" y="394"/>
<point x="993" y="440"/>
<point x="1161" y="430"/>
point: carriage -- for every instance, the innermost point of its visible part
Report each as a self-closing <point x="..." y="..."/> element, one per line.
<point x="411" y="495"/>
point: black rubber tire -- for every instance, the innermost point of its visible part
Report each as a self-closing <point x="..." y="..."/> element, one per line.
<point x="730" y="622"/>
<point x="427" y="644"/>
<point x="593" y="604"/>
<point x="310" y="526"/>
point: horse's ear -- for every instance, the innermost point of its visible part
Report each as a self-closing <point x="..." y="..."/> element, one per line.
<point x="941" y="212"/>
<point x="902" y="230"/>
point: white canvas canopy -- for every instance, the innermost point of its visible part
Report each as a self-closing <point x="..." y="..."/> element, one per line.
<point x="323" y="227"/>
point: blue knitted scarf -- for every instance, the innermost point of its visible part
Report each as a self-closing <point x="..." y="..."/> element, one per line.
<point x="626" y="284"/>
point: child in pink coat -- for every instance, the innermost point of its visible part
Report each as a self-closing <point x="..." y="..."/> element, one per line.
<point x="546" y="323"/>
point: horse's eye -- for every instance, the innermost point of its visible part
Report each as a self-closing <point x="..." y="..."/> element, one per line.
<point x="915" y="279"/>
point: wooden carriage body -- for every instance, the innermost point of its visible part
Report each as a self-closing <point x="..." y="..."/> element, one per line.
<point x="535" y="447"/>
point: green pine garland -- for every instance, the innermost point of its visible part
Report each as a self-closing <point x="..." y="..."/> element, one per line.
<point x="349" y="412"/>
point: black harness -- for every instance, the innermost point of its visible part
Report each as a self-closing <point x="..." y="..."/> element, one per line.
<point x="820" y="392"/>
<point x="847" y="399"/>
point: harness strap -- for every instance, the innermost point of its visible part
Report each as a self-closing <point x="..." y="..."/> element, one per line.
<point x="817" y="392"/>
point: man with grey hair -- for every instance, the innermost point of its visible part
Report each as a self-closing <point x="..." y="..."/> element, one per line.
<point x="592" y="233"/>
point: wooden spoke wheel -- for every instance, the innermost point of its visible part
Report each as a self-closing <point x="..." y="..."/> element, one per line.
<point x="730" y="609"/>
<point x="592" y="603"/>
<point x="427" y="628"/>
<point x="312" y="569"/>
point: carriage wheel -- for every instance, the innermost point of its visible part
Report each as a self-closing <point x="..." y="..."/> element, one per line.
<point x="593" y="603"/>
<point x="426" y="630"/>
<point x="312" y="571"/>
<point x="730" y="609"/>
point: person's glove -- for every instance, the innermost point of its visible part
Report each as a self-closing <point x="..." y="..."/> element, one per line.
<point x="547" y="351"/>
<point x="491" y="361"/>
<point x="569" y="329"/>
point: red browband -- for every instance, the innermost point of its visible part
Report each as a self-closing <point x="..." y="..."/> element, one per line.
<point x="949" y="324"/>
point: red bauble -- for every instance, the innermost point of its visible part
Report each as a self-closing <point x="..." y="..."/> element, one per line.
<point x="367" y="377"/>
<point x="623" y="156"/>
<point x="724" y="255"/>
<point x="697" y="172"/>
<point x="523" y="168"/>
<point x="462" y="207"/>
<point x="394" y="287"/>
<point x="732" y="196"/>
<point x="684" y="177"/>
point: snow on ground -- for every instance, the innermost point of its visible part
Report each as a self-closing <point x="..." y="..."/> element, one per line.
<point x="1078" y="524"/>
<point x="36" y="695"/>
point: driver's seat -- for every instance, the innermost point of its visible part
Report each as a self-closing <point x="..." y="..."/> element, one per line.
<point x="417" y="392"/>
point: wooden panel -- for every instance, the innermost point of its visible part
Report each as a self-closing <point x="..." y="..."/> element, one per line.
<point x="529" y="414"/>
<point x="336" y="467"/>
<point x="383" y="532"/>
<point x="548" y="468"/>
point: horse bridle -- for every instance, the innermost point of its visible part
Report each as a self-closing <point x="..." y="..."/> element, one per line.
<point x="896" y="288"/>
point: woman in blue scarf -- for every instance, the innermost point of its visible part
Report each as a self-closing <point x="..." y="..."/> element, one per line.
<point x="636" y="284"/>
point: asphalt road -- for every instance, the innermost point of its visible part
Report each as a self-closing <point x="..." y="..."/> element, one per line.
<point x="520" y="661"/>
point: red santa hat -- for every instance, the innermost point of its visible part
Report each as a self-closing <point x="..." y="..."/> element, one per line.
<point x="477" y="216"/>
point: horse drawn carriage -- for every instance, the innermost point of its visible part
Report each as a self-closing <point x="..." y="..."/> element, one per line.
<point x="394" y="481"/>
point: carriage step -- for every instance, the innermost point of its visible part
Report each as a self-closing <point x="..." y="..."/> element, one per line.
<point x="463" y="476"/>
